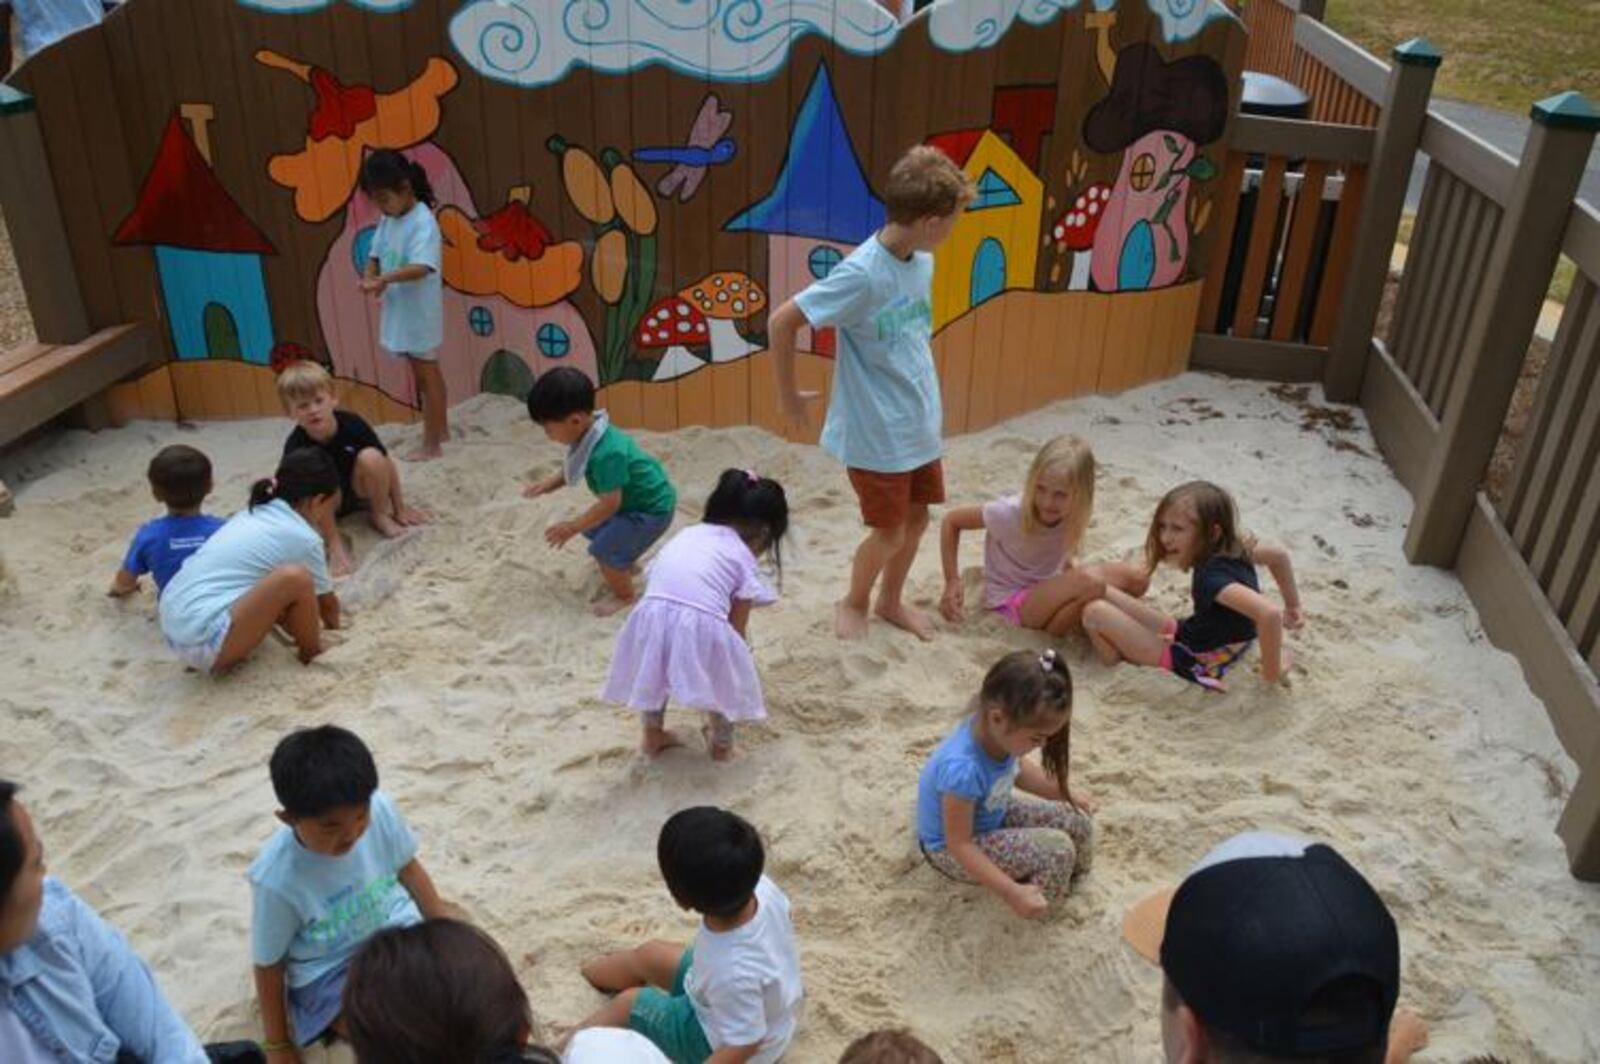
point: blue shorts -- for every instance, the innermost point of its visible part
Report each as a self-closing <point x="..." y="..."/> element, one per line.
<point x="314" y="1007"/>
<point x="619" y="540"/>
<point x="669" y="1020"/>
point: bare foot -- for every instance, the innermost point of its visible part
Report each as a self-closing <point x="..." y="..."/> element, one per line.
<point x="387" y="526"/>
<point x="718" y="753"/>
<point x="609" y="605"/>
<point x="849" y="622"/>
<point x="425" y="452"/>
<point x="414" y="515"/>
<point x="902" y="616"/>
<point x="659" y="739"/>
<point x="1408" y="1033"/>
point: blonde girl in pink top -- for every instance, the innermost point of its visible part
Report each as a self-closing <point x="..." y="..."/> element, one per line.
<point x="1029" y="577"/>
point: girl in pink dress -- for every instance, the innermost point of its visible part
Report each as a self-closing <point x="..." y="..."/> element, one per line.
<point x="685" y="640"/>
<point x="1029" y="576"/>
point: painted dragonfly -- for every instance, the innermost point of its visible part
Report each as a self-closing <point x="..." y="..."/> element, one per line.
<point x="705" y="147"/>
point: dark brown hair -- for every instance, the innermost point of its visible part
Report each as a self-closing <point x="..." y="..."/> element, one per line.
<point x="439" y="992"/>
<point x="1218" y="521"/>
<point x="1027" y="686"/>
<point x="894" y="1046"/>
<point x="180" y="476"/>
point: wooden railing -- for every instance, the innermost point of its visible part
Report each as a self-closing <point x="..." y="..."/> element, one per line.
<point x="1290" y="215"/>
<point x="1288" y="40"/>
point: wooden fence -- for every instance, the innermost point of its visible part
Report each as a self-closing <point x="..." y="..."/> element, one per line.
<point x="1438" y="383"/>
<point x="595" y="192"/>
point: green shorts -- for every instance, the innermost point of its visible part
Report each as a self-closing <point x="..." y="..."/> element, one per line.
<point x="668" y="1019"/>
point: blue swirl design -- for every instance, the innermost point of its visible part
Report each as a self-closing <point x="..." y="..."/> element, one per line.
<point x="1182" y="20"/>
<point x="963" y="25"/>
<point x="508" y="47"/>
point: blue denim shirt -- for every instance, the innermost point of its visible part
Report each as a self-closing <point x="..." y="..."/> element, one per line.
<point x="84" y="993"/>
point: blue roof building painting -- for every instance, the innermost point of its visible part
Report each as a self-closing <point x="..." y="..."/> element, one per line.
<point x="820" y="191"/>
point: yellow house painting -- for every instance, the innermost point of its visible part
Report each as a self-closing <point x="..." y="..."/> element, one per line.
<point x="995" y="245"/>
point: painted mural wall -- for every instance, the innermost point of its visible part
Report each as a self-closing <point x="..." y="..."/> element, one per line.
<point x="630" y="187"/>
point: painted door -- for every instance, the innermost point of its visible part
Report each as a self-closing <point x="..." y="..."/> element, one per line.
<point x="222" y="334"/>
<point x="988" y="271"/>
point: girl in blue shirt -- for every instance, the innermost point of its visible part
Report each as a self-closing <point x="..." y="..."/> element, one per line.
<point x="969" y="826"/>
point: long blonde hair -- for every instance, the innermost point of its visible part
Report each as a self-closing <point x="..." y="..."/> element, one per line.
<point x="1070" y="455"/>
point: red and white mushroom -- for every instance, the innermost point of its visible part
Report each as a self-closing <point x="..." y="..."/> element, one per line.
<point x="1075" y="230"/>
<point x="724" y="297"/>
<point x="667" y="331"/>
<point x="673" y="321"/>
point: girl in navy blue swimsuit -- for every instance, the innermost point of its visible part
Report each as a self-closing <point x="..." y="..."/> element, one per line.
<point x="1196" y="528"/>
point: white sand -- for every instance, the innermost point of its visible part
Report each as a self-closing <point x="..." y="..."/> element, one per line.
<point x="1407" y="740"/>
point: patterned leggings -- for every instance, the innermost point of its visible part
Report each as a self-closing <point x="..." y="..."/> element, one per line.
<point x="1046" y="843"/>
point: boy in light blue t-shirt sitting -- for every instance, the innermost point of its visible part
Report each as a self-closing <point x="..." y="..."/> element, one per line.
<point x="180" y="477"/>
<point x="343" y="866"/>
<point x="884" y="417"/>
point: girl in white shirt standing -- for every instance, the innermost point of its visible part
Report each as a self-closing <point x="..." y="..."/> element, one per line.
<point x="402" y="269"/>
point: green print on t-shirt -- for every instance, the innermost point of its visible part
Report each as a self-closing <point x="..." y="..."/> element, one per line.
<point x="897" y="319"/>
<point x="357" y="913"/>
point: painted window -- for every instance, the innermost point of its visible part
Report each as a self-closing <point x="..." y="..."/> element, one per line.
<point x="553" y="340"/>
<point x="988" y="271"/>
<point x="361" y="249"/>
<point x="822" y="260"/>
<point x="994" y="192"/>
<point x="481" y="321"/>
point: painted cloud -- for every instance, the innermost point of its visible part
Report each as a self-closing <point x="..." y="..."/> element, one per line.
<point x="962" y="25"/>
<point x="535" y="42"/>
<point x="1184" y="19"/>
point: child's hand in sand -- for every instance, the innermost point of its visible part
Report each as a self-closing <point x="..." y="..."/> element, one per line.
<point x="1293" y="619"/>
<point x="1081" y="801"/>
<point x="558" y="534"/>
<point x="1408" y="1033"/>
<point x="1027" y="900"/>
<point x="951" y="601"/>
<point x="542" y="487"/>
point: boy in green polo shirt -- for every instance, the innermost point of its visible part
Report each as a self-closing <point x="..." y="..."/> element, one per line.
<point x="634" y="499"/>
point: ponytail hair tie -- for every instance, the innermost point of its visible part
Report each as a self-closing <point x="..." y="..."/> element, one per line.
<point x="1047" y="659"/>
<point x="272" y="485"/>
<point x="750" y="475"/>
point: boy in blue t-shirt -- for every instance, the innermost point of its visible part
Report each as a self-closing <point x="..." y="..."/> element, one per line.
<point x="343" y="867"/>
<point x="884" y="416"/>
<point x="180" y="477"/>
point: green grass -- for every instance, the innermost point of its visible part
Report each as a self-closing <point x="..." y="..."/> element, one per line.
<point x="1560" y="283"/>
<point x="1503" y="53"/>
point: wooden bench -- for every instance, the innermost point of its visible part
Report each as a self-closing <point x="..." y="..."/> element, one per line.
<point x="39" y="381"/>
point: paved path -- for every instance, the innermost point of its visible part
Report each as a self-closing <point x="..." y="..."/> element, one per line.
<point x="1505" y="131"/>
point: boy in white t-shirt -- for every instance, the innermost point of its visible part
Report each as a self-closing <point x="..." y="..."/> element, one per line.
<point x="734" y="995"/>
<point x="343" y="866"/>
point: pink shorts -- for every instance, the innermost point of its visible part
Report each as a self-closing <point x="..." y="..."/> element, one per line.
<point x="1011" y="608"/>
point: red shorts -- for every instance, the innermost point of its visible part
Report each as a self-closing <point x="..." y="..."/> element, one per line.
<point x="886" y="498"/>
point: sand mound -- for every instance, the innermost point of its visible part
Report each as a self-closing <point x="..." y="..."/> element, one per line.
<point x="1407" y="740"/>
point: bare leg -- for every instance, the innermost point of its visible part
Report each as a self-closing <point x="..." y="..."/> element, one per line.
<point x="620" y="583"/>
<point x="718" y="734"/>
<point x="656" y="736"/>
<point x="652" y="964"/>
<point x="891" y="607"/>
<point x="1117" y="636"/>
<point x="284" y="596"/>
<point x="850" y="614"/>
<point x="435" y="418"/>
<point x="1057" y="604"/>
<point x="374" y="480"/>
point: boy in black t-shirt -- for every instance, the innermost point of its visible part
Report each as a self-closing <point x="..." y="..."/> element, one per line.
<point x="369" y="480"/>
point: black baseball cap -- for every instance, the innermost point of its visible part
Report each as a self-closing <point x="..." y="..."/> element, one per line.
<point x="1278" y="942"/>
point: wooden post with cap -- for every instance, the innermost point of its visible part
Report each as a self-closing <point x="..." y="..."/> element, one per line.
<point x="1519" y="266"/>
<point x="1405" y="105"/>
